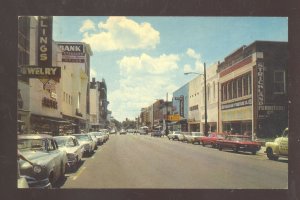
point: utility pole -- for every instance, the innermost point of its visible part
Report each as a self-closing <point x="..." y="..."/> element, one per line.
<point x="167" y="129"/>
<point x="205" y="103"/>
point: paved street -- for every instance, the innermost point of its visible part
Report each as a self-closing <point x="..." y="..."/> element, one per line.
<point x="137" y="161"/>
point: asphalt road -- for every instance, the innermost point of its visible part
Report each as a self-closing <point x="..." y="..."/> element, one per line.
<point x="137" y="161"/>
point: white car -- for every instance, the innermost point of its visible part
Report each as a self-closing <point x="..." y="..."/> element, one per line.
<point x="193" y="137"/>
<point x="87" y="142"/>
<point x="71" y="146"/>
<point x="173" y="135"/>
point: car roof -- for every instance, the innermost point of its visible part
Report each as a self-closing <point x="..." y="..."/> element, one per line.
<point x="65" y="136"/>
<point x="34" y="136"/>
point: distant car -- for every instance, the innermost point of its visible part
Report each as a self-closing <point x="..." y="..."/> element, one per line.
<point x="49" y="162"/>
<point x="173" y="135"/>
<point x="87" y="142"/>
<point x="211" y="139"/>
<point x="73" y="149"/>
<point x="180" y="136"/>
<point x="278" y="148"/>
<point x="123" y="132"/>
<point x="193" y="137"/>
<point x="142" y="132"/>
<point x="156" y="133"/>
<point x="238" y="143"/>
<point x="100" y="137"/>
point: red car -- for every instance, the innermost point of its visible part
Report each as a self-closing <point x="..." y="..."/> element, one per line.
<point x="238" y="143"/>
<point x="211" y="139"/>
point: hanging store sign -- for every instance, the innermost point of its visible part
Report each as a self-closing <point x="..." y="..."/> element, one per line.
<point x="72" y="52"/>
<point x="260" y="84"/>
<point x="236" y="104"/>
<point x="48" y="73"/>
<point x="46" y="102"/>
<point x="181" y="104"/>
<point x="45" y="41"/>
<point x="174" y="117"/>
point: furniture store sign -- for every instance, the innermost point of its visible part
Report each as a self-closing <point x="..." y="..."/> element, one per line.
<point x="72" y="52"/>
<point x="260" y="84"/>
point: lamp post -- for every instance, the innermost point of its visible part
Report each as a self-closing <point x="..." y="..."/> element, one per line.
<point x="205" y="99"/>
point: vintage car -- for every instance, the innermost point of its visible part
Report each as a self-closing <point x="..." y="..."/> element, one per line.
<point x="278" y="148"/>
<point x="87" y="142"/>
<point x="238" y="143"/>
<point x="211" y="139"/>
<point x="100" y="137"/>
<point x="95" y="140"/>
<point x="180" y="136"/>
<point x="173" y="135"/>
<point x="74" y="150"/>
<point x="193" y="137"/>
<point x="156" y="133"/>
<point x="49" y="162"/>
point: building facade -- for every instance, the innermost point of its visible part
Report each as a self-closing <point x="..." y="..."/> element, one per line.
<point x="253" y="92"/>
<point x="180" y="102"/>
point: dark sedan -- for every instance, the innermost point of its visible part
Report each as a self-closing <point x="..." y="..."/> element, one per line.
<point x="238" y="143"/>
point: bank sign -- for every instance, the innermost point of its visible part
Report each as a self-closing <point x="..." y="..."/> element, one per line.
<point x="72" y="52"/>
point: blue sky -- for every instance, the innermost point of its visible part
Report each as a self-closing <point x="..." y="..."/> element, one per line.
<point x="144" y="58"/>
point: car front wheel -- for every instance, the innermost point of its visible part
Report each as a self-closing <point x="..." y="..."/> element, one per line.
<point x="270" y="154"/>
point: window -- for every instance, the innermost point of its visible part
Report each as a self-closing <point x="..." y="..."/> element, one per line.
<point x="239" y="87"/>
<point x="214" y="90"/>
<point x="249" y="84"/>
<point x="279" y="82"/>
<point x="234" y="89"/>
<point x="245" y="86"/>
<point x="230" y="90"/>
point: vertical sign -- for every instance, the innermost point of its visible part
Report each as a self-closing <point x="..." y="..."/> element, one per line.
<point x="260" y="84"/>
<point x="181" y="106"/>
<point x="45" y="41"/>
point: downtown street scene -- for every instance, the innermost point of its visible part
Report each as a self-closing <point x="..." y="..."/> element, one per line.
<point x="152" y="102"/>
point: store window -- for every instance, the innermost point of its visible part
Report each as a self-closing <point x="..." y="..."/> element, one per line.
<point x="279" y="82"/>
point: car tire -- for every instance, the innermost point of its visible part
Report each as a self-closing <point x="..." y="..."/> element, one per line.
<point x="203" y="144"/>
<point x="220" y="148"/>
<point x="236" y="149"/>
<point x="270" y="154"/>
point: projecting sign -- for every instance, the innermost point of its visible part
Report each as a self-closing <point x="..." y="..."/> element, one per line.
<point x="72" y="52"/>
<point x="181" y="105"/>
<point x="260" y="84"/>
<point x="53" y="73"/>
<point x="45" y="41"/>
<point x="174" y="117"/>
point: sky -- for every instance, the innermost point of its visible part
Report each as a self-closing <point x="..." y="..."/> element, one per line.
<point x="143" y="59"/>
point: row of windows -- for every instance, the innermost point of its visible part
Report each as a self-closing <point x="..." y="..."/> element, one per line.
<point x="68" y="98"/>
<point x="236" y="88"/>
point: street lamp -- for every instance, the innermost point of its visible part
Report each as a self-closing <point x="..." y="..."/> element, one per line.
<point x="205" y="100"/>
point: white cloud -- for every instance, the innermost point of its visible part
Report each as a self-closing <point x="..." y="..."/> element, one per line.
<point x="121" y="33"/>
<point x="87" y="25"/>
<point x="148" y="64"/>
<point x="93" y="73"/>
<point x="191" y="53"/>
<point x="187" y="68"/>
<point x="143" y="80"/>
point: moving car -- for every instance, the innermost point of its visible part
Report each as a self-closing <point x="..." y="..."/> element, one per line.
<point x="73" y="149"/>
<point x="87" y="142"/>
<point x="156" y="133"/>
<point x="49" y="162"/>
<point x="211" y="139"/>
<point x="173" y="135"/>
<point x="193" y="137"/>
<point x="278" y="148"/>
<point x="238" y="143"/>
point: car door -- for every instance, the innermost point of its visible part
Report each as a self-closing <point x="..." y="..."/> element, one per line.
<point x="55" y="156"/>
<point x="283" y="144"/>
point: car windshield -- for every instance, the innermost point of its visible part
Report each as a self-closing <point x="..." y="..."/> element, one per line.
<point x="239" y="139"/>
<point x="63" y="141"/>
<point x="83" y="137"/>
<point x="32" y="144"/>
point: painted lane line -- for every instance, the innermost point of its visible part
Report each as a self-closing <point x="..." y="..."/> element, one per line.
<point x="78" y="174"/>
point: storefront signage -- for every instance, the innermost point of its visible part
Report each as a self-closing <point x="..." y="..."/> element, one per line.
<point x="181" y="104"/>
<point x="260" y="84"/>
<point x="45" y="41"/>
<point x="49" y="103"/>
<point x="72" y="52"/>
<point x="271" y="108"/>
<point x="236" y="104"/>
<point x="41" y="72"/>
<point x="174" y="117"/>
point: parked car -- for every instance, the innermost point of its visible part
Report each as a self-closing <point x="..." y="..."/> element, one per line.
<point x="142" y="132"/>
<point x="156" y="133"/>
<point x="211" y="139"/>
<point x="193" y="137"/>
<point x="180" y="136"/>
<point x="99" y="136"/>
<point x="74" y="150"/>
<point x="123" y="132"/>
<point x="278" y="148"/>
<point x="95" y="139"/>
<point x="173" y="135"/>
<point x="238" y="143"/>
<point x="49" y="162"/>
<point x="87" y="142"/>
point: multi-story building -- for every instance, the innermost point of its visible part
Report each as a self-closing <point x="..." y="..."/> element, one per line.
<point x="103" y="104"/>
<point x="253" y="89"/>
<point x="94" y="105"/>
<point x="180" y="103"/>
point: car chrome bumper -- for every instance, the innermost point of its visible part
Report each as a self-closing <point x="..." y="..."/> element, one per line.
<point x="42" y="184"/>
